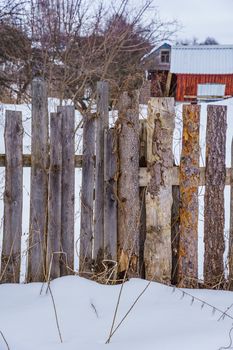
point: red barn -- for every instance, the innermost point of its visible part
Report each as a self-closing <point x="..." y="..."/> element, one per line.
<point x="202" y="71"/>
<point x="197" y="72"/>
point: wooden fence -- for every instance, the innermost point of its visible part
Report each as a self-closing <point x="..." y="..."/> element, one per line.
<point x="139" y="212"/>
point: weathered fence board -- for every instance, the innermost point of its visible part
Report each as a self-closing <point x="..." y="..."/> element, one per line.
<point x="189" y="175"/>
<point x="128" y="185"/>
<point x="230" y="253"/>
<point x="175" y="232"/>
<point x="54" y="197"/>
<point x="110" y="198"/>
<point x="67" y="188"/>
<point x="101" y="126"/>
<point x="157" y="250"/>
<point x="88" y="166"/>
<point x="214" y="196"/>
<point x="39" y="183"/>
<point x="13" y="198"/>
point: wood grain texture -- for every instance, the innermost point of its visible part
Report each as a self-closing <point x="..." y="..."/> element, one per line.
<point x="13" y="199"/>
<point x="88" y="167"/>
<point x="110" y="197"/>
<point x="101" y="126"/>
<point x="39" y="183"/>
<point x="128" y="185"/>
<point x="157" y="250"/>
<point x="189" y="178"/>
<point x="230" y="254"/>
<point x="67" y="189"/>
<point x="214" y="215"/>
<point x="54" y="197"/>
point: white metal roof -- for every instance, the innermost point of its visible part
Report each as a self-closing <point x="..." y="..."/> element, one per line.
<point x="202" y="59"/>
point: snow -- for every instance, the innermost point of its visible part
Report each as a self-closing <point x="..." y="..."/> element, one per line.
<point x="160" y="320"/>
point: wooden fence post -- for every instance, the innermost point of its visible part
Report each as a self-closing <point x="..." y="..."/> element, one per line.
<point x="157" y="250"/>
<point x="67" y="188"/>
<point x="128" y="185"/>
<point x="214" y="196"/>
<point x="189" y="177"/>
<point x="110" y="197"/>
<point x="101" y="125"/>
<point x="39" y="183"/>
<point x="54" y="197"/>
<point x="175" y="232"/>
<point x="13" y="198"/>
<point x="230" y="253"/>
<point x="88" y="167"/>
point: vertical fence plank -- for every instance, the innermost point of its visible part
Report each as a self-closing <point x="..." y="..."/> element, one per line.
<point x="214" y="196"/>
<point x="101" y="125"/>
<point x="39" y="183"/>
<point x="54" y="197"/>
<point x="88" y="166"/>
<point x="110" y="197"/>
<point x="189" y="176"/>
<point x="230" y="253"/>
<point x="175" y="232"/>
<point x="67" y="188"/>
<point x="128" y="185"/>
<point x="157" y="251"/>
<point x="142" y="193"/>
<point x="13" y="197"/>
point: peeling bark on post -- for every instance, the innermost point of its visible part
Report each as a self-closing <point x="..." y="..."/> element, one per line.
<point x="55" y="197"/>
<point x="157" y="251"/>
<point x="128" y="185"/>
<point x="189" y="177"/>
<point x="214" y="196"/>
<point x="13" y="198"/>
<point x="110" y="196"/>
<point x="101" y="126"/>
<point x="67" y="188"/>
<point x="39" y="183"/>
<point x="230" y="254"/>
<point x="88" y="166"/>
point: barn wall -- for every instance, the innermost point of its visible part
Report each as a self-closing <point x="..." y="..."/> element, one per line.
<point x="187" y="83"/>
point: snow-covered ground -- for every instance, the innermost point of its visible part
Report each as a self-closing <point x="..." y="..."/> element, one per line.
<point x="161" y="320"/>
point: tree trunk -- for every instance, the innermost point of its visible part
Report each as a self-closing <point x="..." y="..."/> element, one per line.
<point x="214" y="196"/>
<point x="157" y="251"/>
<point x="189" y="177"/>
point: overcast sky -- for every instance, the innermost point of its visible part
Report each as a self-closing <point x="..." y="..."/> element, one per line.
<point x="200" y="18"/>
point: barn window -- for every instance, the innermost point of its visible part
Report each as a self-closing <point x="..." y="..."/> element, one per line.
<point x="165" y="56"/>
<point x="211" y="90"/>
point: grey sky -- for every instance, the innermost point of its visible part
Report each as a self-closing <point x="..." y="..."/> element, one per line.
<point x="200" y="18"/>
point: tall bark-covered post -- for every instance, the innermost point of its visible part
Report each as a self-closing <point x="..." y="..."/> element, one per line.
<point x="67" y="188"/>
<point x="230" y="254"/>
<point x="128" y="185"/>
<point x="39" y="183"/>
<point x="214" y="195"/>
<point x="55" y="196"/>
<point x="189" y="177"/>
<point x="110" y="197"/>
<point x="157" y="251"/>
<point x="101" y="126"/>
<point x="88" y="167"/>
<point x="175" y="232"/>
<point x="13" y="198"/>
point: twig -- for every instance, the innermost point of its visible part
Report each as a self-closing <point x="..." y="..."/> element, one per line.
<point x="5" y="341"/>
<point x="55" y="312"/>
